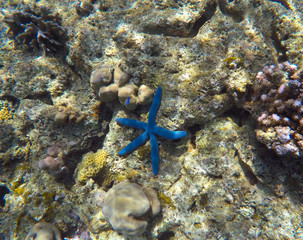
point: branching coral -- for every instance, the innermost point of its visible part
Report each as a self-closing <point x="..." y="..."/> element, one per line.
<point x="38" y="29"/>
<point x="276" y="104"/>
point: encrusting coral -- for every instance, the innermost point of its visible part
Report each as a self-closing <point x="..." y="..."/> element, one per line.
<point x="276" y="104"/>
<point x="6" y="113"/>
<point x="91" y="165"/>
<point x="126" y="206"/>
<point x="38" y="29"/>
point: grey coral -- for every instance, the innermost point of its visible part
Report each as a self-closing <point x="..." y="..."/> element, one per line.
<point x="38" y="29"/>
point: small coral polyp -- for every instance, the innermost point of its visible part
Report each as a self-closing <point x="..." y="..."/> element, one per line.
<point x="276" y="104"/>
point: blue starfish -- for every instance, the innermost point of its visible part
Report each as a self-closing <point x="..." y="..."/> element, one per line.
<point x="150" y="130"/>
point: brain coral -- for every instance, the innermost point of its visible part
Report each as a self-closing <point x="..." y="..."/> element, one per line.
<point x="126" y="206"/>
<point x="276" y="104"/>
<point x="91" y="165"/>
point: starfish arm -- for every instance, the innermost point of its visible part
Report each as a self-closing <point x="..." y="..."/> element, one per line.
<point x="131" y="123"/>
<point x="155" y="107"/>
<point x="154" y="153"/>
<point x="165" y="133"/>
<point x="135" y="144"/>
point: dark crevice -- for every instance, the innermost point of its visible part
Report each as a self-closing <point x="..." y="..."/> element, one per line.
<point x="166" y="235"/>
<point x="282" y="50"/>
<point x="208" y="13"/>
<point x="15" y="101"/>
<point x="193" y="130"/>
<point x="239" y="115"/>
<point x="43" y="97"/>
<point x="3" y="191"/>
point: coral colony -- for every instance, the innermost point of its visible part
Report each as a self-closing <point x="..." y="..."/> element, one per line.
<point x="276" y="104"/>
<point x="128" y="207"/>
<point x="150" y="131"/>
<point x="37" y="28"/>
<point x="111" y="83"/>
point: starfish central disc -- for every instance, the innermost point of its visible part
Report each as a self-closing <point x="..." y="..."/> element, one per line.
<point x="151" y="131"/>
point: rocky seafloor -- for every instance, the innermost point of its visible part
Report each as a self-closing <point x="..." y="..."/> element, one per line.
<point x="231" y="74"/>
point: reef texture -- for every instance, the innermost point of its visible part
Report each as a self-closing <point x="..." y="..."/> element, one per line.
<point x="219" y="182"/>
<point x="277" y="106"/>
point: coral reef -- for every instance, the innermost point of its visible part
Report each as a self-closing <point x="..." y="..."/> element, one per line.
<point x="91" y="165"/>
<point x="44" y="231"/>
<point x="38" y="29"/>
<point x="220" y="182"/>
<point x="276" y="104"/>
<point x="126" y="206"/>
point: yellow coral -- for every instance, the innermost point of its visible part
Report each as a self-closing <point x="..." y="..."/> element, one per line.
<point x="233" y="62"/>
<point x="166" y="200"/>
<point x="22" y="152"/>
<point x="91" y="165"/>
<point x="5" y="112"/>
